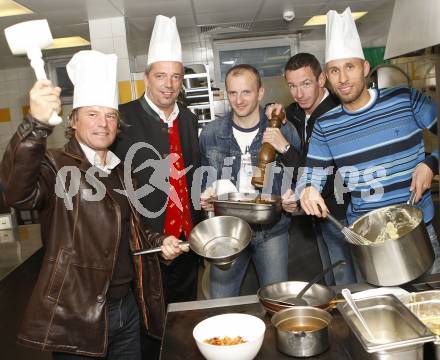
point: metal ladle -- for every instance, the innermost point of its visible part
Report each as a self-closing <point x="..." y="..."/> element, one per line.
<point x="298" y="300"/>
<point x="350" y="301"/>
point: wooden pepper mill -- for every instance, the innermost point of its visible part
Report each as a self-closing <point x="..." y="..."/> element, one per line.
<point x="267" y="152"/>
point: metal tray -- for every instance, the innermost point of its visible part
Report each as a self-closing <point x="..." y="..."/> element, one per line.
<point x="426" y="306"/>
<point x="399" y="332"/>
<point x="243" y="206"/>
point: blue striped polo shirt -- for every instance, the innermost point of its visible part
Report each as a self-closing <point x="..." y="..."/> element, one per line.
<point x="375" y="149"/>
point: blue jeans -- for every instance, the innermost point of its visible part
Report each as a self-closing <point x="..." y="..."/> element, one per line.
<point x="123" y="332"/>
<point x="435" y="268"/>
<point x="270" y="257"/>
<point x="333" y="247"/>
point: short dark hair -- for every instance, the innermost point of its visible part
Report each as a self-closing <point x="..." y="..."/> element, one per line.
<point x="301" y="60"/>
<point x="239" y="69"/>
<point x="150" y="66"/>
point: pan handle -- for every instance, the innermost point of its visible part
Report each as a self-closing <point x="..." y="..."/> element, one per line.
<point x="157" y="249"/>
<point x="331" y="305"/>
<point x="412" y="198"/>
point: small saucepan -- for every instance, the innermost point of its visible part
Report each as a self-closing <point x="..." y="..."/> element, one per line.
<point x="302" y="331"/>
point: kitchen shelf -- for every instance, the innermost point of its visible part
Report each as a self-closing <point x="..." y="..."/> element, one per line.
<point x="201" y="98"/>
<point x="196" y="96"/>
<point x="197" y="75"/>
<point x="199" y="106"/>
<point x="196" y="89"/>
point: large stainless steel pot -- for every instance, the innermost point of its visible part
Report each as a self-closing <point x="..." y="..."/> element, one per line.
<point x="397" y="261"/>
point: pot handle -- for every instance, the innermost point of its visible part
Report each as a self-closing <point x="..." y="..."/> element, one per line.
<point x="331" y="305"/>
<point x="300" y="334"/>
<point x="412" y="198"/>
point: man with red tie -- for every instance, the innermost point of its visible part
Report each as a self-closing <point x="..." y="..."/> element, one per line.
<point x="165" y="154"/>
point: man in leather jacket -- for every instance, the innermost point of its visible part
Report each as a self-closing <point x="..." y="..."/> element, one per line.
<point x="91" y="294"/>
<point x="306" y="83"/>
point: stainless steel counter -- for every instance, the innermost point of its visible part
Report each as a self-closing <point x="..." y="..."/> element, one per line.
<point x="178" y="342"/>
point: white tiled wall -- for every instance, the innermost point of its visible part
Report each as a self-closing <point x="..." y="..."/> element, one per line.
<point x="14" y="89"/>
<point x="109" y="36"/>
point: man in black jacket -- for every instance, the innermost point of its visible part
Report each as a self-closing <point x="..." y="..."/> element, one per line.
<point x="306" y="83"/>
<point x="160" y="143"/>
<point x="166" y="151"/>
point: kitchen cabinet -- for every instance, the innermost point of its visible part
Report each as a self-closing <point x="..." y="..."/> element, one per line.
<point x="198" y="92"/>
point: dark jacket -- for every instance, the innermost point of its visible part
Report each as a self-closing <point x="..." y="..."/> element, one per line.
<point x="145" y="126"/>
<point x="296" y="115"/>
<point x="67" y="309"/>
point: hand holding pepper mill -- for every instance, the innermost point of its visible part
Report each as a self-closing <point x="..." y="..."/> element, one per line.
<point x="267" y="152"/>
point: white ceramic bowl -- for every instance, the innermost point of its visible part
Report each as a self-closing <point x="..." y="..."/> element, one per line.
<point x="249" y="327"/>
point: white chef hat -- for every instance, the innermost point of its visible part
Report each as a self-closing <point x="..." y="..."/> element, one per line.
<point x="165" y="41"/>
<point x="94" y="76"/>
<point x="342" y="38"/>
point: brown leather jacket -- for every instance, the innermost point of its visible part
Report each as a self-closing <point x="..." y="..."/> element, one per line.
<point x="66" y="311"/>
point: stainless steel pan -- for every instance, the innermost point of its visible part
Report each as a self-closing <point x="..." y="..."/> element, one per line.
<point x="318" y="295"/>
<point x="220" y="240"/>
<point x="246" y="206"/>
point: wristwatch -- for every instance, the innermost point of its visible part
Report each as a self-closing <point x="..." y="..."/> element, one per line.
<point x="286" y="149"/>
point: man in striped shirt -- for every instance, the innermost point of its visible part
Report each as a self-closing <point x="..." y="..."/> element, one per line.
<point x="374" y="140"/>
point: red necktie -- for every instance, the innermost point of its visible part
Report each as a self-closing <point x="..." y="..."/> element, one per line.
<point x="178" y="213"/>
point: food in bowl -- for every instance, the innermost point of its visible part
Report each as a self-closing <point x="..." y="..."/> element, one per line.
<point x="250" y="328"/>
<point x="225" y="341"/>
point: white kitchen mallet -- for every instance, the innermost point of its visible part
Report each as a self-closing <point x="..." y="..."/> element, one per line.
<point x="29" y="38"/>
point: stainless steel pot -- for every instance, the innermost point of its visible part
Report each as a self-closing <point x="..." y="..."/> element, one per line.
<point x="398" y="261"/>
<point x="302" y="331"/>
